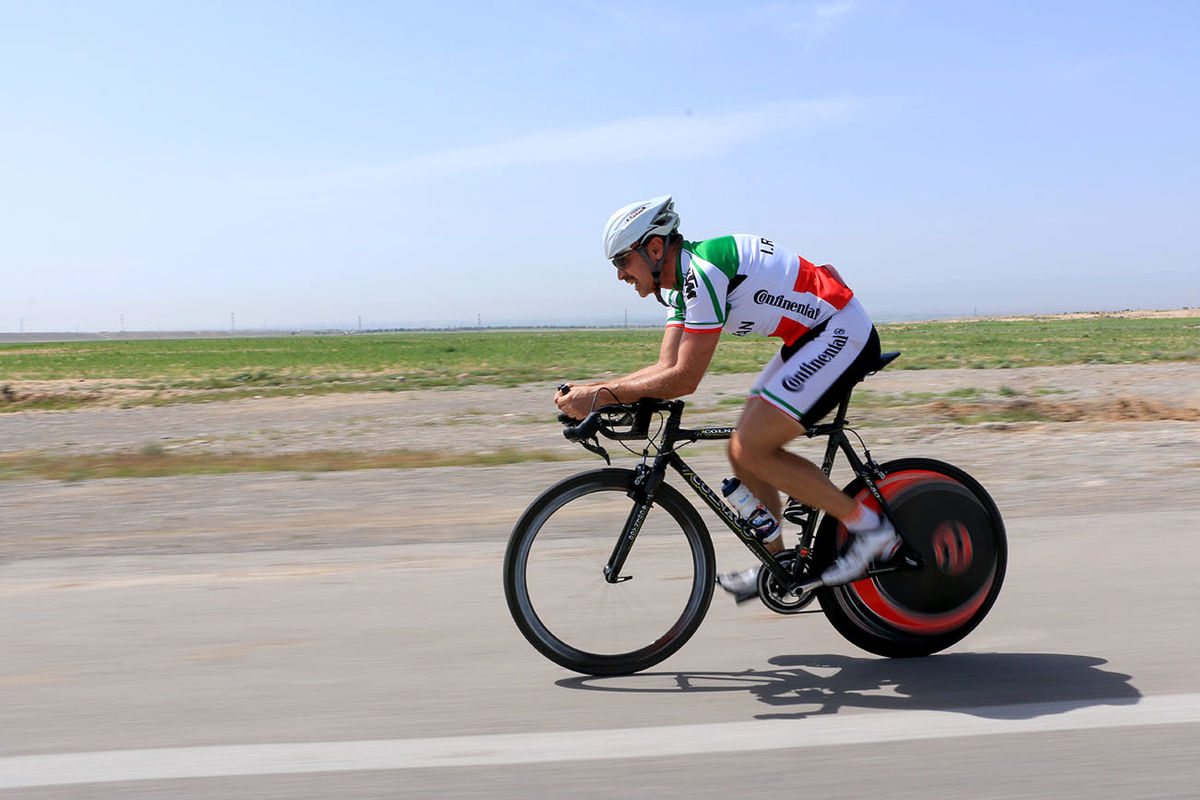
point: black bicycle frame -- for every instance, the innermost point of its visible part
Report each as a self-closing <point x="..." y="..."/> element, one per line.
<point x="648" y="479"/>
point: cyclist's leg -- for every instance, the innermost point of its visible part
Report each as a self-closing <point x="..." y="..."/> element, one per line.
<point x="767" y="494"/>
<point x="797" y="388"/>
<point x="757" y="451"/>
<point x="758" y="458"/>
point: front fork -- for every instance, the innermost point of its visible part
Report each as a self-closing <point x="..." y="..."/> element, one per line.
<point x="646" y="481"/>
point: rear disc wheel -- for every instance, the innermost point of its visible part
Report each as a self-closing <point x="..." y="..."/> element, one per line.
<point x="951" y="522"/>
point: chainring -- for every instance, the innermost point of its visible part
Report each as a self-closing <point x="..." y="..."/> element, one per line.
<point x="777" y="597"/>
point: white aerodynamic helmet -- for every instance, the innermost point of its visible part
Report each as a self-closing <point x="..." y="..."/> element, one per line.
<point x="632" y="224"/>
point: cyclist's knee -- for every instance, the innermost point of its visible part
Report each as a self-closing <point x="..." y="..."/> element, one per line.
<point x="746" y="451"/>
<point x="735" y="452"/>
<point x="741" y="457"/>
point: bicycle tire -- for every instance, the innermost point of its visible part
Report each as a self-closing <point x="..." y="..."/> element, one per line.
<point x="681" y="521"/>
<point x="952" y="522"/>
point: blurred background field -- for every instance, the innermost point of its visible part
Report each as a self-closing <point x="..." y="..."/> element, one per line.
<point x="162" y="371"/>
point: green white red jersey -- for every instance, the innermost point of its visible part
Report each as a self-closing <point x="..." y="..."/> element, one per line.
<point x="746" y="284"/>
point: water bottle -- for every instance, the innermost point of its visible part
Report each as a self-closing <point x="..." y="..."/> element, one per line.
<point x="760" y="520"/>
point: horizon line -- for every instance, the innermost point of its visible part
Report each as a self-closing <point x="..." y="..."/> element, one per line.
<point x="358" y="329"/>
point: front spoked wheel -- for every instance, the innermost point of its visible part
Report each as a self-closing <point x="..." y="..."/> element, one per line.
<point x="556" y="589"/>
<point x="952" y="523"/>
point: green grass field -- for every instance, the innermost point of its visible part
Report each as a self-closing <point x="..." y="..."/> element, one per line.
<point x="175" y="370"/>
<point x="190" y="370"/>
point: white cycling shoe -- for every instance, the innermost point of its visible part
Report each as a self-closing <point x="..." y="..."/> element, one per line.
<point x="866" y="547"/>
<point x="742" y="585"/>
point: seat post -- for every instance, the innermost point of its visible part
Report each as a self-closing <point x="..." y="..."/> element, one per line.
<point x="839" y="420"/>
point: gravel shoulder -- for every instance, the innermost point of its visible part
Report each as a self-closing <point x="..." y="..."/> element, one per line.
<point x="1131" y="460"/>
<point x="483" y="419"/>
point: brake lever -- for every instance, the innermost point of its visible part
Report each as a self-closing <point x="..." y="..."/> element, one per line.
<point x="594" y="446"/>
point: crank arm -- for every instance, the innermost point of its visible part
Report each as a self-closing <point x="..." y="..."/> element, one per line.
<point x="905" y="562"/>
<point x="908" y="562"/>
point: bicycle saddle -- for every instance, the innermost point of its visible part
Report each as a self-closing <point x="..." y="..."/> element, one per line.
<point x="884" y="360"/>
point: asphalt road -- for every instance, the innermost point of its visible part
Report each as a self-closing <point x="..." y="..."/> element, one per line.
<point x="197" y="666"/>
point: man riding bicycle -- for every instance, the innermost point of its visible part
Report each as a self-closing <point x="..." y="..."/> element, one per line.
<point x="747" y="284"/>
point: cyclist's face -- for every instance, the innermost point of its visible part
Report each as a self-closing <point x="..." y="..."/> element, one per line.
<point x="634" y="268"/>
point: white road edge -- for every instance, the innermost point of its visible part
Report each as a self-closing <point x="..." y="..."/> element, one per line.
<point x="653" y="742"/>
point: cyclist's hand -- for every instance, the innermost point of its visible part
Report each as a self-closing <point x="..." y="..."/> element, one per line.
<point x="577" y="401"/>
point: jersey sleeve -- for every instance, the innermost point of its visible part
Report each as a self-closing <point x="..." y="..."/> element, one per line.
<point x="675" y="310"/>
<point x="703" y="297"/>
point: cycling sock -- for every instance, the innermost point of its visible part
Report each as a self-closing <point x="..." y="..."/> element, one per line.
<point x="861" y="519"/>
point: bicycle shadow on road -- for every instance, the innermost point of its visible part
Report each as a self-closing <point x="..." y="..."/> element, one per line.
<point x="992" y="685"/>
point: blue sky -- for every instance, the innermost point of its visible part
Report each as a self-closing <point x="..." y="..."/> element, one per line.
<point x="311" y="163"/>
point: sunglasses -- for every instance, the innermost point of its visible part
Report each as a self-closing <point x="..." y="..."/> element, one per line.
<point x="621" y="260"/>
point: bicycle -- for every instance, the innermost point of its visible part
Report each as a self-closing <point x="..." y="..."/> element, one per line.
<point x="934" y="591"/>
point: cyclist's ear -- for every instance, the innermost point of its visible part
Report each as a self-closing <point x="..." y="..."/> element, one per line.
<point x="655" y="247"/>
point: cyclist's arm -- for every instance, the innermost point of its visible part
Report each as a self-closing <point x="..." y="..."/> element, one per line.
<point x="668" y="353"/>
<point x="677" y="377"/>
<point x="683" y="359"/>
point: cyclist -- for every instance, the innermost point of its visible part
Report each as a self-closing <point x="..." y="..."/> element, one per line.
<point x="746" y="284"/>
